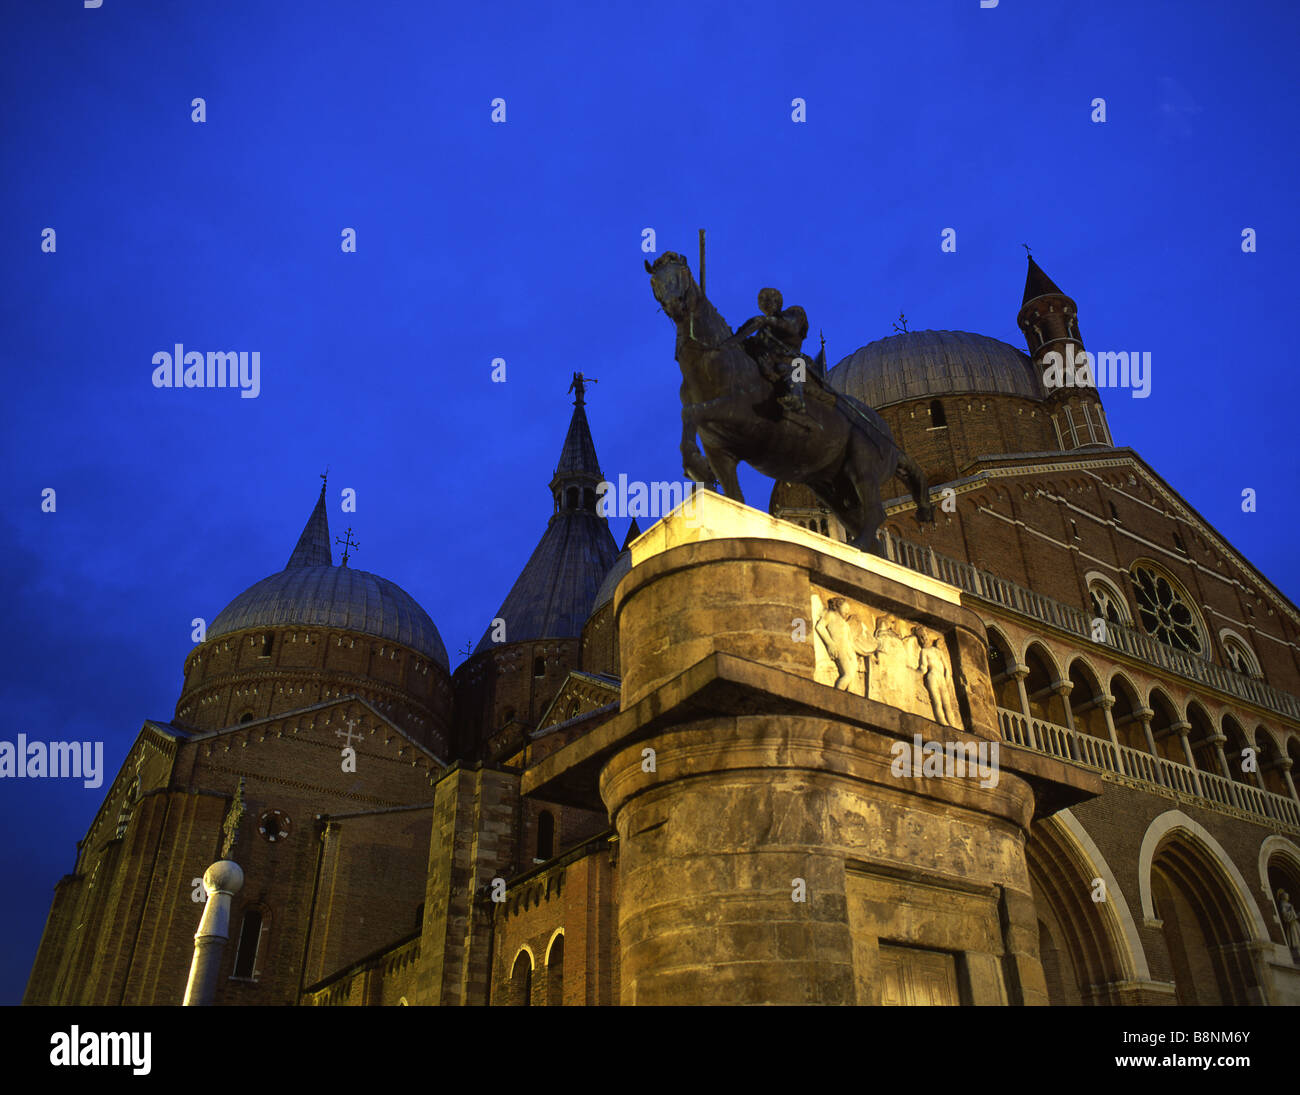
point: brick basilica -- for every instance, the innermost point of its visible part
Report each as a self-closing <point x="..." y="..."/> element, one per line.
<point x="645" y="786"/>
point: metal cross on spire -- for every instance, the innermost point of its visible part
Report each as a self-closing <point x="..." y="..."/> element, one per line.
<point x="1027" y="251"/>
<point x="347" y="542"/>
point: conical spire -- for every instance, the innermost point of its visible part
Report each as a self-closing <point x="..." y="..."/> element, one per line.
<point x="1038" y="284"/>
<point x="578" y="456"/>
<point x="313" y="548"/>
<point x="552" y="596"/>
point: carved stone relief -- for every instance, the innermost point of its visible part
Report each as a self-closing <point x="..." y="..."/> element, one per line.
<point x="883" y="657"/>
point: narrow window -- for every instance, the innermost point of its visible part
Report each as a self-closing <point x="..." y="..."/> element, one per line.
<point x="589" y="500"/>
<point x="937" y="417"/>
<point x="1114" y="513"/>
<point x="266" y="645"/>
<point x="572" y="495"/>
<point x="250" y="937"/>
<point x="545" y="835"/>
<point x="539" y="667"/>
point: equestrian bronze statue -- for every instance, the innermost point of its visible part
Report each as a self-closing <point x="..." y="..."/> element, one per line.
<point x="759" y="400"/>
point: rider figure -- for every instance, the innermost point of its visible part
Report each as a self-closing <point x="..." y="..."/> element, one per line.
<point x="777" y="335"/>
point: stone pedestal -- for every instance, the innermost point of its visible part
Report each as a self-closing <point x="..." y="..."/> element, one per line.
<point x="812" y="799"/>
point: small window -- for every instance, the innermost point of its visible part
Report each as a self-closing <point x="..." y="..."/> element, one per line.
<point x="250" y="937"/>
<point x="824" y="527"/>
<point x="266" y="645"/>
<point x="539" y="667"/>
<point x="247" y="716"/>
<point x="589" y="500"/>
<point x="545" y="835"/>
<point x="1178" y="543"/>
<point x="571" y="495"/>
<point x="937" y="417"/>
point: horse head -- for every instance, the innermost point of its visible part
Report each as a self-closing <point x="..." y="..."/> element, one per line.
<point x="673" y="286"/>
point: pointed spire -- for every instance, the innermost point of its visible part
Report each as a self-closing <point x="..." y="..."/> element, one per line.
<point x="578" y="456"/>
<point x="1038" y="284"/>
<point x="633" y="531"/>
<point x="313" y="548"/>
<point x="553" y="594"/>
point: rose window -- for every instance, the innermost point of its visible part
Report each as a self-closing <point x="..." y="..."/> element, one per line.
<point x="1164" y="611"/>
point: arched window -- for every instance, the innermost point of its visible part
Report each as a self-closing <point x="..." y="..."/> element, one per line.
<point x="1106" y="601"/>
<point x="1238" y="654"/>
<point x="1166" y="610"/>
<point x="571" y="497"/>
<point x="521" y="980"/>
<point x="539" y="666"/>
<point x="250" y="940"/>
<point x="555" y="973"/>
<point x="266" y="645"/>
<point x="937" y="417"/>
<point x="589" y="499"/>
<point x="247" y="716"/>
<point x="545" y="835"/>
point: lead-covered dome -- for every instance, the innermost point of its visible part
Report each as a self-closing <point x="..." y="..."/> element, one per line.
<point x="330" y="596"/>
<point x="925" y="364"/>
<point x="310" y="591"/>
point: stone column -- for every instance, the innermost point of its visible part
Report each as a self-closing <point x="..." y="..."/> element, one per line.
<point x="1063" y="689"/>
<point x="1107" y="702"/>
<point x="222" y="881"/>
<point x="1184" y="728"/>
<point x="1218" y="737"/>
<point x="1143" y="714"/>
<point x="1285" y="764"/>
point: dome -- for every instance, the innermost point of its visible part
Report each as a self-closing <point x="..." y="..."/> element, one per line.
<point x="330" y="596"/>
<point x="605" y="593"/>
<point x="924" y="364"/>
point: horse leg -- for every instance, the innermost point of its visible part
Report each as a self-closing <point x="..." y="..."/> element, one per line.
<point x="694" y="465"/>
<point x="863" y="471"/>
<point x="911" y="474"/>
<point x="724" y="467"/>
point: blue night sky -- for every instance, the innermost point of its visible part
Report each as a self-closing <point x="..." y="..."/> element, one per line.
<point x="523" y="241"/>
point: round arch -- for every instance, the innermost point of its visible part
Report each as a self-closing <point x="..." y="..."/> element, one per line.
<point x="550" y="943"/>
<point x="1065" y="863"/>
<point x="1173" y="823"/>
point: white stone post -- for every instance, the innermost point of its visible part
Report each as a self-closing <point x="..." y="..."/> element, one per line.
<point x="222" y="881"/>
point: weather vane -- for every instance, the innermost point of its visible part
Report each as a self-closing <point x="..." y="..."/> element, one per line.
<point x="1027" y="251"/>
<point x="347" y="543"/>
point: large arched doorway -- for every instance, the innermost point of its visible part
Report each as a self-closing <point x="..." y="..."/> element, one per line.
<point x="1079" y="937"/>
<point x="1205" y="934"/>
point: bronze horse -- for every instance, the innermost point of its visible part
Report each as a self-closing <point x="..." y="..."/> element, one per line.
<point x="734" y="409"/>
